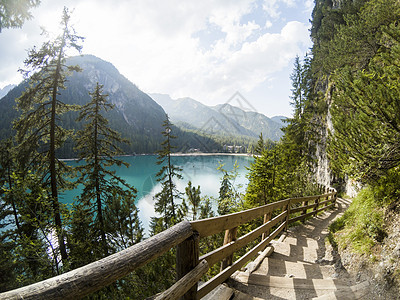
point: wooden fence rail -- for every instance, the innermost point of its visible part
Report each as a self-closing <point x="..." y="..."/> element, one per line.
<point x="190" y="267"/>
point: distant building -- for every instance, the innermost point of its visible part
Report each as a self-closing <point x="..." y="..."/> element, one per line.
<point x="234" y="149"/>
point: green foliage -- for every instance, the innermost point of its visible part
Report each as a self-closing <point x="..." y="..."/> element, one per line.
<point x="107" y="198"/>
<point x="366" y="108"/>
<point x="193" y="196"/>
<point x="165" y="200"/>
<point x="29" y="254"/>
<point x="230" y="199"/>
<point x="362" y="225"/>
<point x="13" y="14"/>
<point x="264" y="179"/>
<point x="39" y="133"/>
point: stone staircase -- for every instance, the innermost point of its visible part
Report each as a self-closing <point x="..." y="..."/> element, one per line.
<point x="301" y="266"/>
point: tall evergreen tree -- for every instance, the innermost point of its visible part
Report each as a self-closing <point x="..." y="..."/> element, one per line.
<point x="39" y="133"/>
<point x="165" y="200"/>
<point x="260" y="145"/>
<point x="97" y="145"/>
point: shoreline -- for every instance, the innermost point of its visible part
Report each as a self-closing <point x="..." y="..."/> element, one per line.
<point x="175" y="154"/>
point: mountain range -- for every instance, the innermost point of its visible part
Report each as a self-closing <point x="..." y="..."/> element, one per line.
<point x="222" y="119"/>
<point x="139" y="118"/>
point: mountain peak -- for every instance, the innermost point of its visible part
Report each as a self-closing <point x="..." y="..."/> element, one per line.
<point x="224" y="119"/>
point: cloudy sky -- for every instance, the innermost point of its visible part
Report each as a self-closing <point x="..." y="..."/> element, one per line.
<point x="203" y="49"/>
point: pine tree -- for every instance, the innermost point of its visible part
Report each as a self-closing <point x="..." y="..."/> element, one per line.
<point x="39" y="133"/>
<point x="365" y="109"/>
<point x="193" y="195"/>
<point x="13" y="14"/>
<point x="165" y="200"/>
<point x="260" y="145"/>
<point x="230" y="200"/>
<point x="97" y="146"/>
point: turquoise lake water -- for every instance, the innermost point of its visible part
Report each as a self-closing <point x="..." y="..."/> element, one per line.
<point x="201" y="170"/>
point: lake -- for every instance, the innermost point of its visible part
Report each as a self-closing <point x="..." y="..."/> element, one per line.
<point x="200" y="169"/>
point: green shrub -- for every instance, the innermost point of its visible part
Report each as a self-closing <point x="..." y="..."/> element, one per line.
<point x="362" y="225"/>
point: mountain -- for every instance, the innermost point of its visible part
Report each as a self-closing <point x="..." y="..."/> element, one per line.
<point x="279" y="120"/>
<point x="136" y="115"/>
<point x="222" y="119"/>
<point x="6" y="89"/>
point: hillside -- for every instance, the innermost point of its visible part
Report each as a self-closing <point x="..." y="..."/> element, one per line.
<point x="223" y="119"/>
<point x="136" y="115"/>
<point x="352" y="114"/>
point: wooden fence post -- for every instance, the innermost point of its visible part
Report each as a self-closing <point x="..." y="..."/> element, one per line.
<point x="305" y="203"/>
<point x="267" y="218"/>
<point x="230" y="235"/>
<point x="287" y="216"/>
<point x="316" y="206"/>
<point x="187" y="258"/>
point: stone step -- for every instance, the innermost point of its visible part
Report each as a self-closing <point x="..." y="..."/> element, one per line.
<point x="242" y="296"/>
<point x="294" y="249"/>
<point x="221" y="292"/>
<point x="258" y="286"/>
<point x="299" y="269"/>
<point x="290" y="283"/>
<point x="359" y="291"/>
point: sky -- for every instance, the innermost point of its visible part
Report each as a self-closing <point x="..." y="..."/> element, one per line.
<point x="208" y="50"/>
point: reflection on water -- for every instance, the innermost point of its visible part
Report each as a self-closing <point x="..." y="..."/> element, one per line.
<point x="201" y="170"/>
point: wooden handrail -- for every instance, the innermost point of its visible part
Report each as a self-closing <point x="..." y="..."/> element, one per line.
<point x="215" y="225"/>
<point x="94" y="276"/>
<point x="190" y="267"/>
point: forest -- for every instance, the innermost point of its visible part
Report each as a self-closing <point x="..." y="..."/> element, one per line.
<point x="345" y="98"/>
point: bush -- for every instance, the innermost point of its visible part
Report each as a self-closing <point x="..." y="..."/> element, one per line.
<point x="362" y="225"/>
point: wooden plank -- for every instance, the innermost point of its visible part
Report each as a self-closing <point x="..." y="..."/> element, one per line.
<point x="301" y="208"/>
<point x="292" y="220"/>
<point x="187" y="258"/>
<point x="304" y="211"/>
<point x="310" y="198"/>
<point x="302" y="199"/>
<point x="313" y="213"/>
<point x="224" y="275"/>
<point x="94" y="276"/>
<point x="316" y="206"/>
<point x="183" y="285"/>
<point x="325" y="208"/>
<point x="291" y="283"/>
<point x="230" y="236"/>
<point x="218" y="254"/>
<point x="267" y="218"/>
<point x="215" y="225"/>
<point x="256" y="263"/>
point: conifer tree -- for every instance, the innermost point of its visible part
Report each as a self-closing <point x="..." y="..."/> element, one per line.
<point x="365" y="110"/>
<point x="263" y="179"/>
<point x="193" y="195"/>
<point x="165" y="200"/>
<point x="230" y="199"/>
<point x="39" y="133"/>
<point x="14" y="13"/>
<point x="260" y="145"/>
<point x="97" y="145"/>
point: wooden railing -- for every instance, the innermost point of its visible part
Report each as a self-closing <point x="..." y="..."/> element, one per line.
<point x="190" y="267"/>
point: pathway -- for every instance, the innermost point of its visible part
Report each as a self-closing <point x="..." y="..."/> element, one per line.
<point x="302" y="266"/>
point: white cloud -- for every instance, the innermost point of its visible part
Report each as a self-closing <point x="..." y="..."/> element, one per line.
<point x="154" y="43"/>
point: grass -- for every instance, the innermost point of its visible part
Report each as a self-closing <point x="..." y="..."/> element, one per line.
<point x="362" y="226"/>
